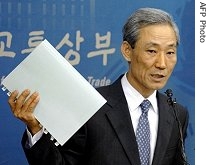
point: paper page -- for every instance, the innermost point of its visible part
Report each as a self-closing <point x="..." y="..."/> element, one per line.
<point x="67" y="100"/>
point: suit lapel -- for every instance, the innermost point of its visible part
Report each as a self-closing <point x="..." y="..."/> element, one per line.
<point x="166" y="120"/>
<point x="119" y="118"/>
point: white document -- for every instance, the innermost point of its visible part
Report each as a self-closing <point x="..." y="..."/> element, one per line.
<point x="67" y="99"/>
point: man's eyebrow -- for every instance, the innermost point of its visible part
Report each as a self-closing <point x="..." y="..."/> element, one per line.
<point x="174" y="45"/>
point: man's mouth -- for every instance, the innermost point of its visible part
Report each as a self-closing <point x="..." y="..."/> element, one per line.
<point x="157" y="76"/>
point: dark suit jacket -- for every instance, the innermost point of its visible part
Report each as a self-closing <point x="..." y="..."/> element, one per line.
<point x="108" y="137"/>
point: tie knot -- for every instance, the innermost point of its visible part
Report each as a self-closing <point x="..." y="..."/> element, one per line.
<point x="145" y="106"/>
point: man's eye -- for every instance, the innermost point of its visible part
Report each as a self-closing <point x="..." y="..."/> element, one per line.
<point x="170" y="53"/>
<point x="151" y="51"/>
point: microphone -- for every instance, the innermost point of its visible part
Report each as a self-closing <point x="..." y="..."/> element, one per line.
<point x="172" y="103"/>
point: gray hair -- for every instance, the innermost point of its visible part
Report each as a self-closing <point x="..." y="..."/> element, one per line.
<point x="144" y="17"/>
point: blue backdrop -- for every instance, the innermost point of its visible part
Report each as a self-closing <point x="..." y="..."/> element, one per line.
<point x="88" y="34"/>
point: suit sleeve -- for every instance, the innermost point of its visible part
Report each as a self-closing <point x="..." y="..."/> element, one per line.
<point x="45" y="152"/>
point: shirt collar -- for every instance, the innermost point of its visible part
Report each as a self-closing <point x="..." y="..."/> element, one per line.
<point x="134" y="98"/>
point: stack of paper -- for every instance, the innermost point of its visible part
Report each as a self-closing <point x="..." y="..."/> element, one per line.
<point x="67" y="100"/>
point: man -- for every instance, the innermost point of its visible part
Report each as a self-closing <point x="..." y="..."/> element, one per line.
<point x="113" y="136"/>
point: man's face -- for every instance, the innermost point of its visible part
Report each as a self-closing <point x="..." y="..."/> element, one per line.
<point x="153" y="58"/>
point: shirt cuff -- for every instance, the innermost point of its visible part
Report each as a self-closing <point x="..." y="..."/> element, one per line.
<point x="33" y="139"/>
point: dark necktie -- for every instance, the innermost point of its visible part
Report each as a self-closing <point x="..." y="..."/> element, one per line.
<point x="143" y="134"/>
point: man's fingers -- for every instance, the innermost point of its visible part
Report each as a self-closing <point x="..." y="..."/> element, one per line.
<point x="12" y="99"/>
<point x="22" y="98"/>
<point x="23" y="104"/>
<point x="31" y="102"/>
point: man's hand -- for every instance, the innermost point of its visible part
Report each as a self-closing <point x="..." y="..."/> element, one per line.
<point x="22" y="107"/>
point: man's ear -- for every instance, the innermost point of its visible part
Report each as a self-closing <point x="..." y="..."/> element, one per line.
<point x="126" y="50"/>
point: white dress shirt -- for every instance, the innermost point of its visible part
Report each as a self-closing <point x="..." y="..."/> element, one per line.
<point x="134" y="99"/>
